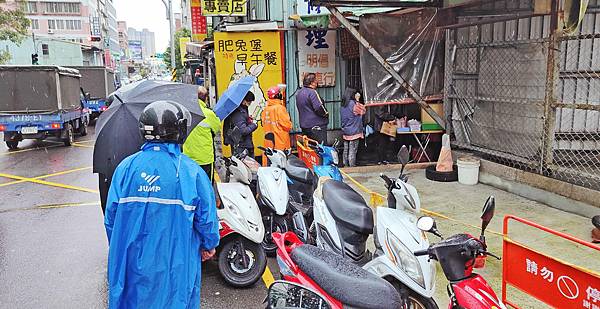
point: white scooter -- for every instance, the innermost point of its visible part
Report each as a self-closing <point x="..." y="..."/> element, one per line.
<point x="343" y="222"/>
<point x="272" y="195"/>
<point x="242" y="260"/>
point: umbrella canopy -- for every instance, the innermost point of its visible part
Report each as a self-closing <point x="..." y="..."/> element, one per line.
<point x="233" y="96"/>
<point x="117" y="129"/>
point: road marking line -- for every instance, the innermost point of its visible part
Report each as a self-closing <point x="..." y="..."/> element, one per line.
<point x="30" y="149"/>
<point x="86" y="141"/>
<point x="47" y="176"/>
<point x="377" y="197"/>
<point x="48" y="183"/>
<point x="50" y="206"/>
<point x="267" y="277"/>
<point x="76" y="144"/>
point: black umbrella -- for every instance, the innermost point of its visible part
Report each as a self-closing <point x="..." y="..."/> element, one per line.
<point x="117" y="129"/>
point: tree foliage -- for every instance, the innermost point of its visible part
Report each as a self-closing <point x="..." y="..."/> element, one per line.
<point x="13" y="27"/>
<point x="167" y="54"/>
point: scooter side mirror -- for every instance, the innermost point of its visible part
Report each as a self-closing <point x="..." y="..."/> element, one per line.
<point x="299" y="227"/>
<point x="270" y="137"/>
<point x="285" y="294"/>
<point x="403" y="155"/>
<point x="427" y="224"/>
<point x="487" y="213"/>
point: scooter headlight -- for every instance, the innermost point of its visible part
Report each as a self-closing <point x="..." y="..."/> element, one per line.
<point x="404" y="258"/>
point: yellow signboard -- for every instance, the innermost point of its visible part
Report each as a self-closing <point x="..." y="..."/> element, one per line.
<point x="224" y="7"/>
<point x="240" y="54"/>
<point x="182" y="43"/>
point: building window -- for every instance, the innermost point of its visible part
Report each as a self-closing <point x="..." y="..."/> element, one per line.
<point x="35" y="24"/>
<point x="62" y="7"/>
<point x="29" y="7"/>
<point x="51" y="24"/>
<point x="73" y="24"/>
<point x="45" y="49"/>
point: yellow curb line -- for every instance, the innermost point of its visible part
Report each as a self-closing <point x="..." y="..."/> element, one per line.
<point x="48" y="183"/>
<point x="377" y="200"/>
<point x="46" y="176"/>
<point x="267" y="277"/>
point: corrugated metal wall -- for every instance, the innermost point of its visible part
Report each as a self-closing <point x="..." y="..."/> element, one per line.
<point x="258" y="9"/>
<point x="332" y="96"/>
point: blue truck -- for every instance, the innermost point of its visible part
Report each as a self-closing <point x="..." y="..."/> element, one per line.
<point x="98" y="83"/>
<point x="37" y="102"/>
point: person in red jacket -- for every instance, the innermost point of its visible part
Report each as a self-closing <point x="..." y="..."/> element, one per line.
<point x="275" y="119"/>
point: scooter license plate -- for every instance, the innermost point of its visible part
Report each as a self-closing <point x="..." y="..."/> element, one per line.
<point x="29" y="130"/>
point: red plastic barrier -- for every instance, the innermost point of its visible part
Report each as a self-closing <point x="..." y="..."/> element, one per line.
<point x="557" y="283"/>
<point x="307" y="153"/>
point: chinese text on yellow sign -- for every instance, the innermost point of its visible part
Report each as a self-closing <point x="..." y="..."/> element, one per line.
<point x="224" y="7"/>
<point x="241" y="54"/>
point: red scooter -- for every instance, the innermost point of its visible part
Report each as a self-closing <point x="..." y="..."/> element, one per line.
<point x="342" y="283"/>
<point x="458" y="255"/>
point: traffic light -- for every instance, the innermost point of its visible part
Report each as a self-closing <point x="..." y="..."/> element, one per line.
<point x="95" y="39"/>
<point x="34" y="59"/>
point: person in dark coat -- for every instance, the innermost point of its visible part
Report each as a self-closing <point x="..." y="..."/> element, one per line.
<point x="383" y="114"/>
<point x="241" y="119"/>
<point x="352" y="125"/>
<point x="313" y="115"/>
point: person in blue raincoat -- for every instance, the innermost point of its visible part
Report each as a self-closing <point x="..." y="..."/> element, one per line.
<point x="160" y="218"/>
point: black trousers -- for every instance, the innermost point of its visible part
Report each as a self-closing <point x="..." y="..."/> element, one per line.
<point x="210" y="171"/>
<point x="103" y="186"/>
<point x="318" y="135"/>
<point x="383" y="146"/>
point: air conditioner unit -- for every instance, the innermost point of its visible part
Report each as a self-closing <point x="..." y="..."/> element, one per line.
<point x="50" y="31"/>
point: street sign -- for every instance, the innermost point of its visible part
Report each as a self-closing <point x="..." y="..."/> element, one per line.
<point x="199" y="24"/>
<point x="224" y="7"/>
<point x="316" y="54"/>
<point x="557" y="283"/>
<point x="381" y="3"/>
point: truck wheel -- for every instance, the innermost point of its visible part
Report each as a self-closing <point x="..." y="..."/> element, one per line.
<point x="12" y="145"/>
<point x="69" y="132"/>
<point x="83" y="130"/>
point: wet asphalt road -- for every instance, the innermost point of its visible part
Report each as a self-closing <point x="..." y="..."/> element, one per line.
<point x="52" y="241"/>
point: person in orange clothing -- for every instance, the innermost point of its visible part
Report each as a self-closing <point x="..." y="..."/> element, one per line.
<point x="275" y="119"/>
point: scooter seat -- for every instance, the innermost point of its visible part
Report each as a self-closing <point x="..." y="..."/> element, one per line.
<point x="345" y="281"/>
<point x="348" y="207"/>
<point x="297" y="170"/>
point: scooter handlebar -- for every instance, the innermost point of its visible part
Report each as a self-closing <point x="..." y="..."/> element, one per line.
<point x="422" y="252"/>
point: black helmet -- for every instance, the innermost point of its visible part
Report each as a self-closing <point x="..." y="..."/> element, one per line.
<point x="165" y="121"/>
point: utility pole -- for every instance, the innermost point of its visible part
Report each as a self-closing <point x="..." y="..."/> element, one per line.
<point x="169" y="7"/>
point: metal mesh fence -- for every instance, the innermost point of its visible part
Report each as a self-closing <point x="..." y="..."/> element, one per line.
<point x="525" y="97"/>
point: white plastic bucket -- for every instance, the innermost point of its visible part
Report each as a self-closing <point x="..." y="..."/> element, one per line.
<point x="468" y="170"/>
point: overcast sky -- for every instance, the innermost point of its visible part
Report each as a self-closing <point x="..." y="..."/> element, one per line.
<point x="149" y="14"/>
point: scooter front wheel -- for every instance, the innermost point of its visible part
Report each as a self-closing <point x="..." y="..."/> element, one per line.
<point x="412" y="299"/>
<point x="273" y="224"/>
<point x="241" y="262"/>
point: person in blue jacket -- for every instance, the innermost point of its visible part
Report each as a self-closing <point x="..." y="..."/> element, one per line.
<point x="161" y="218"/>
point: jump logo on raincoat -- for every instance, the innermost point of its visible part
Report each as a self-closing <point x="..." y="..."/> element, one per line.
<point x="150" y="179"/>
